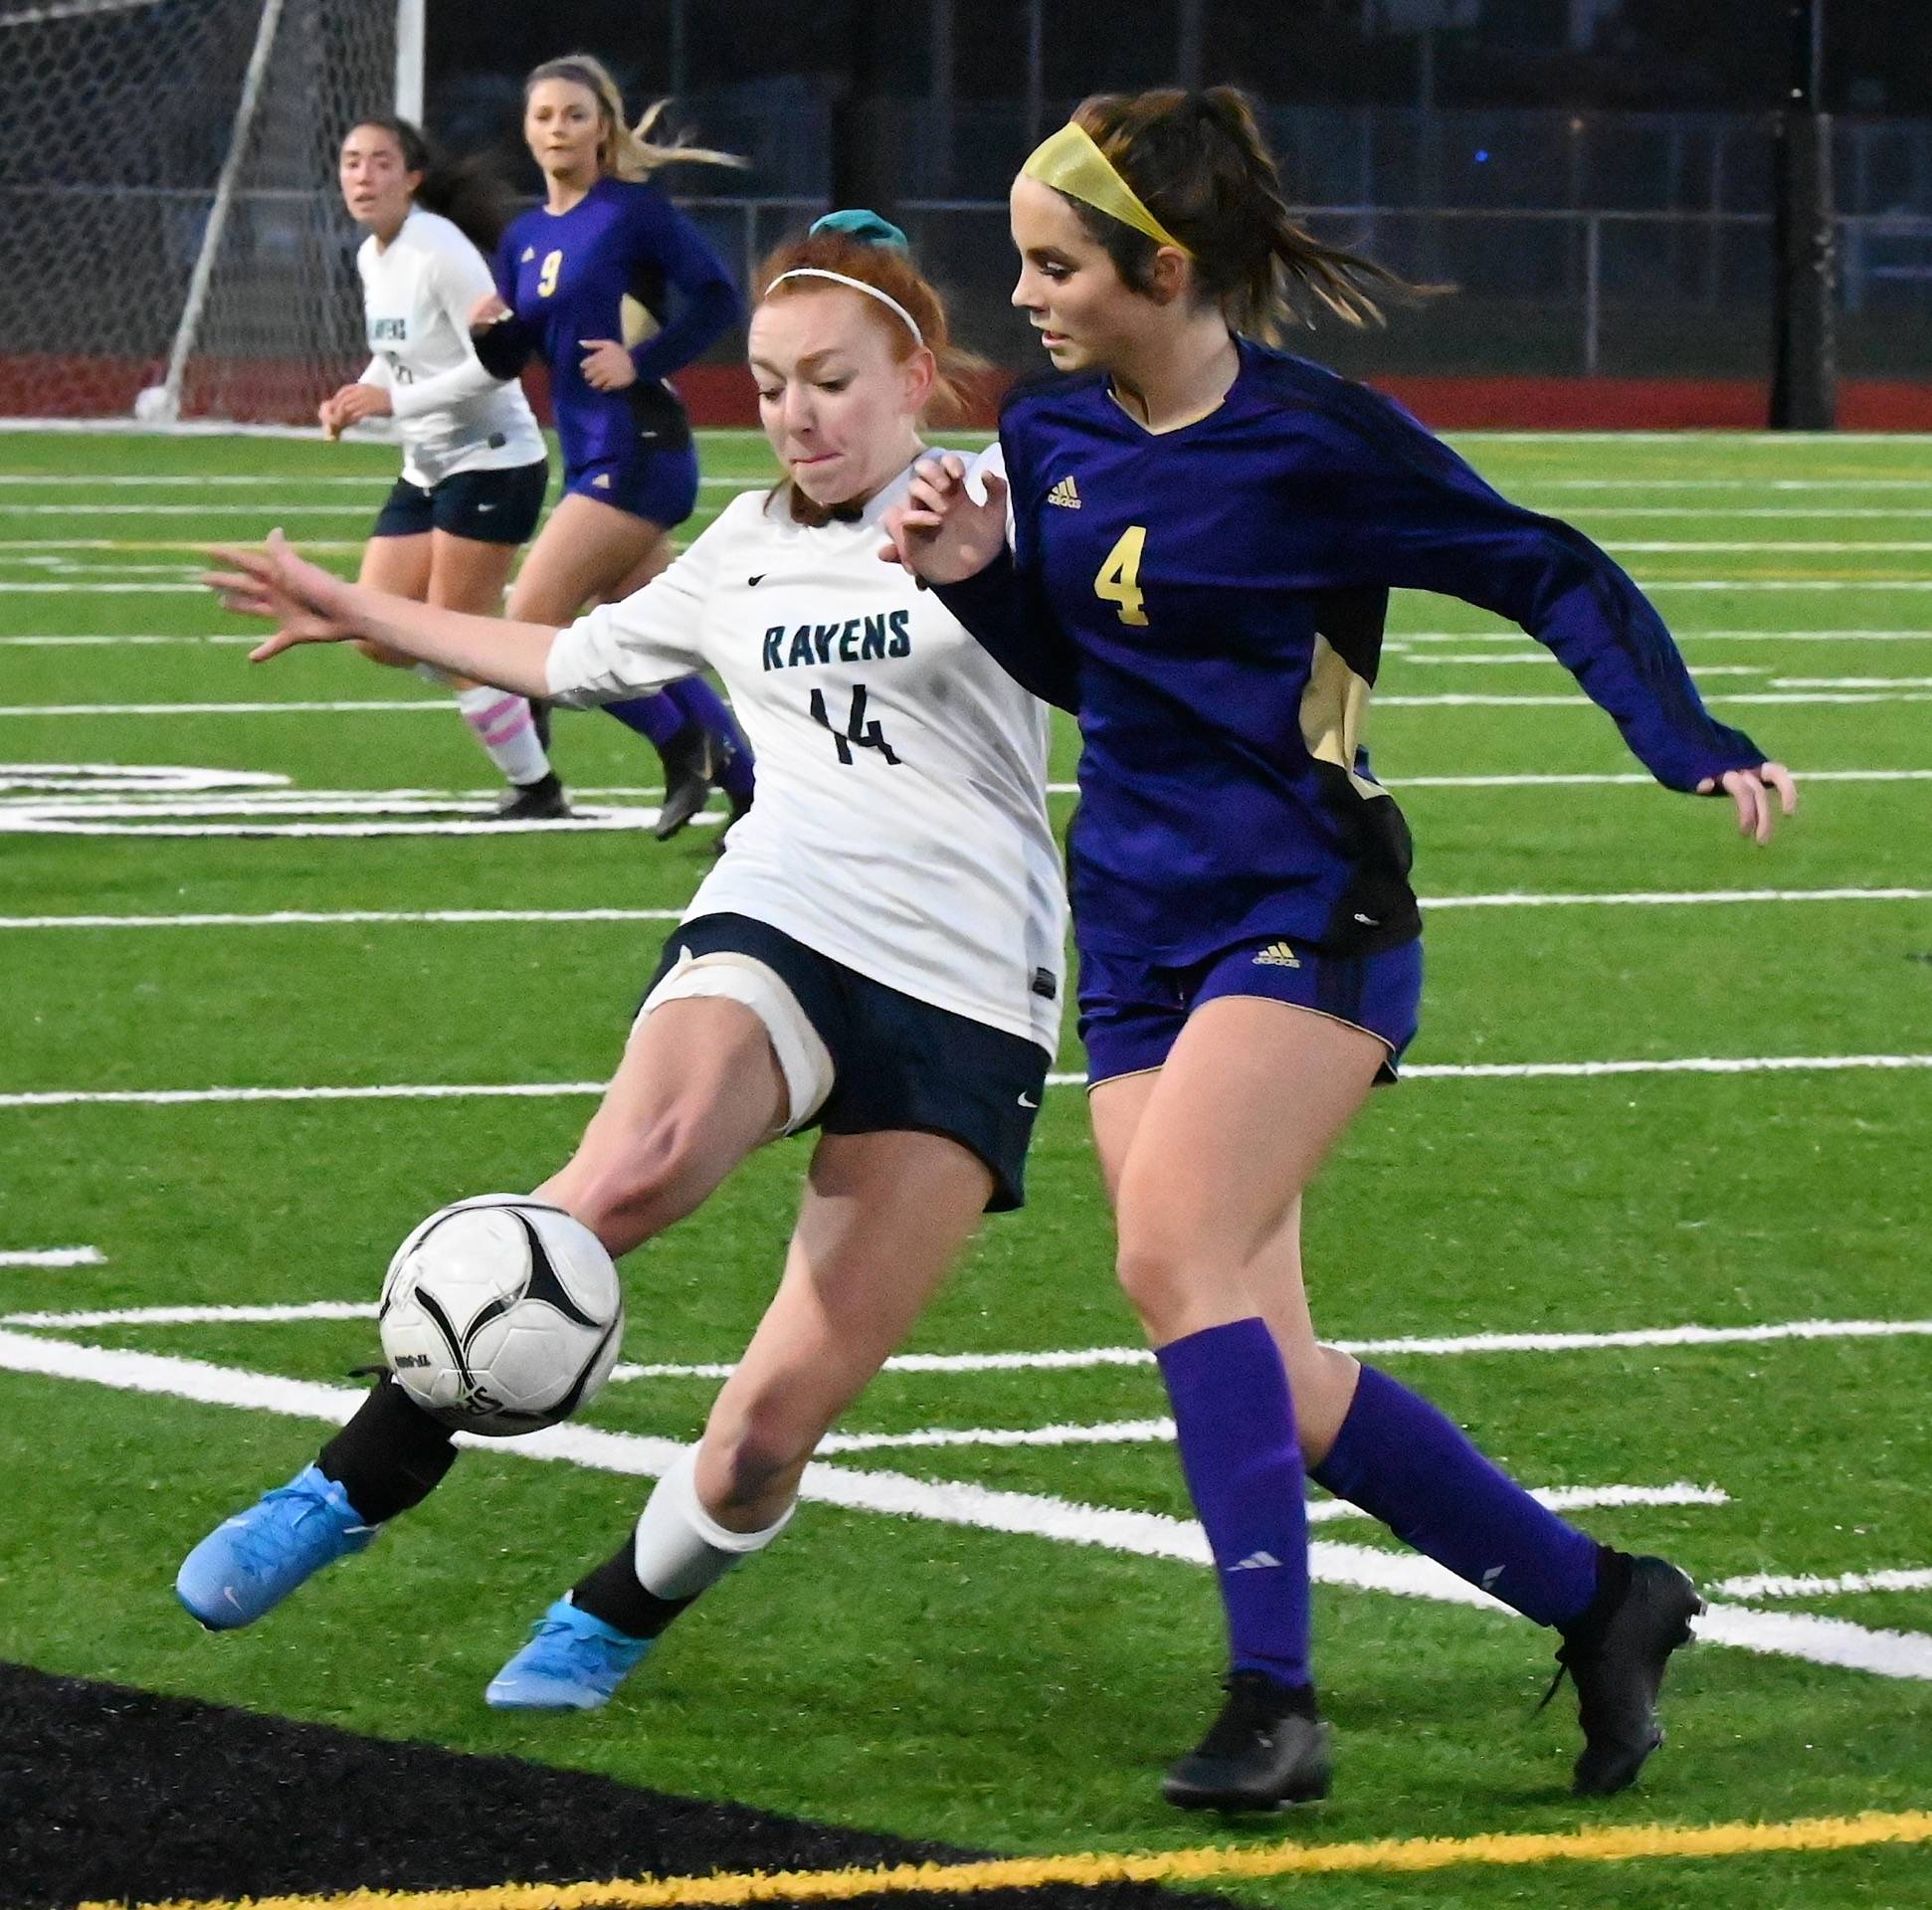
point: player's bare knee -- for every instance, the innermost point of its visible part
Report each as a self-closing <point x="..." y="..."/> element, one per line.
<point x="1160" y="1264"/>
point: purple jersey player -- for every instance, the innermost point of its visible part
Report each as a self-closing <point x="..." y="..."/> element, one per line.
<point x="588" y="281"/>
<point x="1205" y="532"/>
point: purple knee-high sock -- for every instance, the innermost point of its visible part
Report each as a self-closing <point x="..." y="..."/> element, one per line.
<point x="1404" y="1462"/>
<point x="657" y="718"/>
<point x="1235" y="1424"/>
<point x="702" y="704"/>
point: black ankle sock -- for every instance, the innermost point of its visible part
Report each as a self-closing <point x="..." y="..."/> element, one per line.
<point x="611" y="1593"/>
<point x="390" y="1457"/>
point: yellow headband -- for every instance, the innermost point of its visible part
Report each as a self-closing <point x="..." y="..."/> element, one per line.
<point x="1070" y="163"/>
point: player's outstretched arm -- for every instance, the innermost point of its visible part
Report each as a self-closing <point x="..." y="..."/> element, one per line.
<point x="309" y="605"/>
<point x="938" y="533"/>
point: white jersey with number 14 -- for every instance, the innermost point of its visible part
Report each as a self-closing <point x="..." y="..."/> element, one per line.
<point x="901" y="824"/>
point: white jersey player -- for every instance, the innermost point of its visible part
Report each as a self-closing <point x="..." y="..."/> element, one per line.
<point x="451" y="415"/>
<point x="474" y="463"/>
<point x="877" y="954"/>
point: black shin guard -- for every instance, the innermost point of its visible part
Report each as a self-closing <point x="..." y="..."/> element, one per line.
<point x="390" y="1457"/>
<point x="611" y="1593"/>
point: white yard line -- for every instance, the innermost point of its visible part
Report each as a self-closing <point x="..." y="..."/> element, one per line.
<point x="386" y="705"/>
<point x="1850" y="682"/>
<point x="1778" y="546"/>
<point x="441" y="705"/>
<point x="51" y="1257"/>
<point x="1770" y="1584"/>
<point x="1540" y="659"/>
<point x="1396" y="639"/>
<point x="100" y="641"/>
<point x="1637" y="779"/>
<point x="1045" y="1360"/>
<point x="349" y="917"/>
<point x="1682" y="635"/>
<point x="550" y="1091"/>
<point x="1485" y="699"/>
<point x="1747" y="483"/>
<point x="945" y="1502"/>
<point x="361" y="917"/>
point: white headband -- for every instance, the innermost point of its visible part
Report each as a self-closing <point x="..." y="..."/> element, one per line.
<point x="858" y="284"/>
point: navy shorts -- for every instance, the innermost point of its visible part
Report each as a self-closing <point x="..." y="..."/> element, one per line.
<point x="1131" y="1012"/>
<point x="659" y="484"/>
<point x="486" y="506"/>
<point x="897" y="1063"/>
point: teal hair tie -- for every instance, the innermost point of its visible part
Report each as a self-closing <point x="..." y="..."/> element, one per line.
<point x="867" y="227"/>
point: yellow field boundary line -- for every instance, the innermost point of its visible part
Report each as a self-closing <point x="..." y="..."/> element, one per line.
<point x="1207" y="1864"/>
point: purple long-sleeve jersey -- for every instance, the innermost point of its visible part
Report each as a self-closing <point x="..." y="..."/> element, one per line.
<point x="1210" y="602"/>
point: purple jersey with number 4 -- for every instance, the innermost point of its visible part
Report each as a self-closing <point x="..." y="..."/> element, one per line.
<point x="1211" y="602"/>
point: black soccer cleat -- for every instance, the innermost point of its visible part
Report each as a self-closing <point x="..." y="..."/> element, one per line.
<point x="541" y="802"/>
<point x="689" y="772"/>
<point x="1268" y="1748"/>
<point x="1616" y="1652"/>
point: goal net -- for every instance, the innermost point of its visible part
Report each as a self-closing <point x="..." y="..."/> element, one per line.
<point x="172" y="244"/>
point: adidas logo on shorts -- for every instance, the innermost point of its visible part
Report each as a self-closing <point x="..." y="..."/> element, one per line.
<point x="602" y="482"/>
<point x="1278" y="955"/>
<point x="1065" y="493"/>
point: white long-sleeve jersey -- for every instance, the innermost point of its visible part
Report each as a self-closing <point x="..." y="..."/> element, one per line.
<point x="901" y="826"/>
<point x="451" y="414"/>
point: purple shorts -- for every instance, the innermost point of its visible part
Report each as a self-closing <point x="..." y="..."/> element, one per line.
<point x="661" y="485"/>
<point x="1131" y="1012"/>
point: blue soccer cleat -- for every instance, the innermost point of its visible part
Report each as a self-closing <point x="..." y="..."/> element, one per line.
<point x="249" y="1564"/>
<point x="572" y="1662"/>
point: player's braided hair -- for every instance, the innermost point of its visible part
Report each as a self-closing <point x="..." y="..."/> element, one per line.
<point x="625" y="151"/>
<point x="1200" y="162"/>
<point x="891" y="268"/>
<point x="471" y="193"/>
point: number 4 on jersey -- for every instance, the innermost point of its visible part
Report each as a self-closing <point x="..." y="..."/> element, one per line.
<point x="856" y="730"/>
<point x="1119" y="578"/>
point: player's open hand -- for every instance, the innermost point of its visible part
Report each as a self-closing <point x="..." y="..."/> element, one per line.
<point x="607" y="366"/>
<point x="488" y="311"/>
<point x="938" y="533"/>
<point x="1752" y="789"/>
<point x="353" y="403"/>
<point x="305" y="603"/>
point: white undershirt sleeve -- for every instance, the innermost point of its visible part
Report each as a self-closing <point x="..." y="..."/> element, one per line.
<point x="456" y="279"/>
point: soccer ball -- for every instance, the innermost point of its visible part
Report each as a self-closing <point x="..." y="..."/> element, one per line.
<point x="500" y="1315"/>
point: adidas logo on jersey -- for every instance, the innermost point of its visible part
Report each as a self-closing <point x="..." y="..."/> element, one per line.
<point x="1278" y="955"/>
<point x="529" y="253"/>
<point x="1065" y="493"/>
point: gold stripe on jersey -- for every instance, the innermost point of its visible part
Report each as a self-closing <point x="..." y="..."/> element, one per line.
<point x="1334" y="711"/>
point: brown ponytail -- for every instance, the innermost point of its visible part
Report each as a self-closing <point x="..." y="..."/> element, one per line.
<point x="1200" y="163"/>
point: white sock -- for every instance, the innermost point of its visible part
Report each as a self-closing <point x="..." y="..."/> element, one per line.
<point x="680" y="1549"/>
<point x="504" y="725"/>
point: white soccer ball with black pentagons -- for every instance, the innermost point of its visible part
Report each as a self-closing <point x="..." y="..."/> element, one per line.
<point x="500" y="1315"/>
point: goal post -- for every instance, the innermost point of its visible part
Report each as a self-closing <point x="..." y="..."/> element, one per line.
<point x="171" y="237"/>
